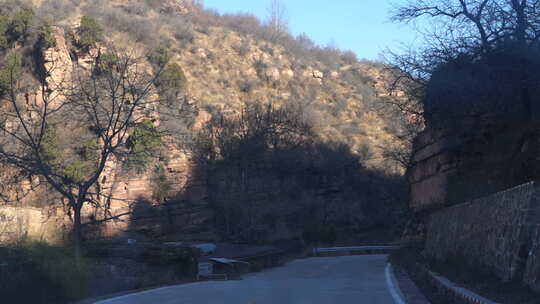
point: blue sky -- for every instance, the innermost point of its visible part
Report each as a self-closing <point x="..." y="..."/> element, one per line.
<point x="362" y="26"/>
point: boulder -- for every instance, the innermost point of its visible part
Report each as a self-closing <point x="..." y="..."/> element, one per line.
<point x="272" y="74"/>
<point x="287" y="73"/>
<point x="318" y="74"/>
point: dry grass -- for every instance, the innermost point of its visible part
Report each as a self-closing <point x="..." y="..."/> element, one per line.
<point x="230" y="59"/>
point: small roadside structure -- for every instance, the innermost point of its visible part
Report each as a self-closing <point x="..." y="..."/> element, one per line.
<point x="221" y="268"/>
<point x="3" y="269"/>
<point x="231" y="260"/>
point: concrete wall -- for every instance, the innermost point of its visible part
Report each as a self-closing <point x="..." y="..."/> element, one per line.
<point x="496" y="234"/>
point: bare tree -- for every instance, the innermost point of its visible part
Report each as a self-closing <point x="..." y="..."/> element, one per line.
<point x="277" y="20"/>
<point x="65" y="133"/>
<point x="241" y="143"/>
<point x="498" y="38"/>
<point x="257" y="127"/>
<point x="474" y="27"/>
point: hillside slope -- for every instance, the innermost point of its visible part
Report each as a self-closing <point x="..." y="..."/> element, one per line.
<point x="229" y="62"/>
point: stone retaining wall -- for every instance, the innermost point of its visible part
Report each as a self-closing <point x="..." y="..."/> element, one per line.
<point x="496" y="234"/>
<point x="532" y="269"/>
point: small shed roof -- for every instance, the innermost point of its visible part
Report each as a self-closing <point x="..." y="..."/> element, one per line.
<point x="226" y="261"/>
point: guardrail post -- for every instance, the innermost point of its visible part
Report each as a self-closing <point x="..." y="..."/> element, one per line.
<point x="2" y="267"/>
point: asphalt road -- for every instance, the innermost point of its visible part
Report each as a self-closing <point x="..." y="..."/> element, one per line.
<point x="343" y="280"/>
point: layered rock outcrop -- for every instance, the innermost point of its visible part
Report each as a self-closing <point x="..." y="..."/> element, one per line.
<point x="34" y="223"/>
<point x="480" y="157"/>
<point x="126" y="206"/>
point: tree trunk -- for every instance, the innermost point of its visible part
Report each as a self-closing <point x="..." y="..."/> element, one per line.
<point x="77" y="230"/>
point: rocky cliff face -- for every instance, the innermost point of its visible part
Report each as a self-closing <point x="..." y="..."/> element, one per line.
<point x="126" y="197"/>
<point x="481" y="157"/>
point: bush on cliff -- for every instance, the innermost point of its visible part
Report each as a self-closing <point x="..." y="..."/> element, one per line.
<point x="20" y="24"/>
<point x="4" y="22"/>
<point x="172" y="78"/>
<point x="483" y="71"/>
<point x="159" y="56"/>
<point x="106" y="63"/>
<point x="161" y="186"/>
<point x="144" y="141"/>
<point x="90" y="32"/>
<point x="501" y="83"/>
<point x="46" y="38"/>
<point x="11" y="70"/>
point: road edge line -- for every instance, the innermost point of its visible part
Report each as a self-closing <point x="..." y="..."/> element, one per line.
<point x="392" y="285"/>
<point x="144" y="292"/>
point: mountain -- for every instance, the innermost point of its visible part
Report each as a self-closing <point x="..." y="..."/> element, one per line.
<point x="228" y="63"/>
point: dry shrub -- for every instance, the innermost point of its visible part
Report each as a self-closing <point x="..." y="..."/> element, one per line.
<point x="205" y="18"/>
<point x="53" y="272"/>
<point x="182" y="29"/>
<point x="57" y="10"/>
<point x="349" y="57"/>
<point x="243" y="48"/>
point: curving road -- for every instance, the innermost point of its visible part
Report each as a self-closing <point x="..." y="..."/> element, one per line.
<point x="343" y="280"/>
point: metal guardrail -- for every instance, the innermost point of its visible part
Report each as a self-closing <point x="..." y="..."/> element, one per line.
<point x="3" y="267"/>
<point x="350" y="249"/>
<point x="221" y="277"/>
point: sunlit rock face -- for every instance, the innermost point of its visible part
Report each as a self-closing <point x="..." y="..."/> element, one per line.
<point x="126" y="197"/>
